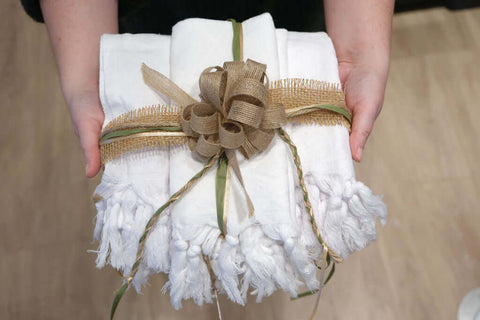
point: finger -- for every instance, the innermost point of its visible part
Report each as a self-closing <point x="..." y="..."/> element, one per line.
<point x="91" y="151"/>
<point x="362" y="126"/>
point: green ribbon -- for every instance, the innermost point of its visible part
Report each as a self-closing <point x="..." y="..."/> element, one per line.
<point x="128" y="132"/>
<point x="309" y="293"/>
<point x="236" y="40"/>
<point x="220" y="188"/>
<point x="329" y="107"/>
<point x="221" y="178"/>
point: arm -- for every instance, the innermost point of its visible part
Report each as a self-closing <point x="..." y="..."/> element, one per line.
<point x="74" y="28"/>
<point x="361" y="32"/>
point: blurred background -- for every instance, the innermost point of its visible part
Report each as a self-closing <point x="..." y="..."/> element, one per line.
<point x="423" y="156"/>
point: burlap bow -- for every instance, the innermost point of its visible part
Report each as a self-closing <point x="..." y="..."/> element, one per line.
<point x="234" y="111"/>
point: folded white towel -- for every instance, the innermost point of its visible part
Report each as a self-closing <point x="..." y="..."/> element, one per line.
<point x="253" y="250"/>
<point x="345" y="209"/>
<point x="276" y="247"/>
<point x="133" y="187"/>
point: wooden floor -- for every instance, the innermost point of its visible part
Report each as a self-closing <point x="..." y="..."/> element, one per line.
<point x="423" y="156"/>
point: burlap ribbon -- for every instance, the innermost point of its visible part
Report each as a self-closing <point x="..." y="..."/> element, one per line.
<point x="234" y="111"/>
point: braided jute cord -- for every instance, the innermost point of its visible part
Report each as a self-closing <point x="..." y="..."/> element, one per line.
<point x="308" y="206"/>
<point x="327" y="253"/>
<point x="151" y="223"/>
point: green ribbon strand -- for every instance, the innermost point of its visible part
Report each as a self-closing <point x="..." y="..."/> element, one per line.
<point x="329" y="107"/>
<point x="236" y="40"/>
<point x="117" y="299"/>
<point x="220" y="184"/>
<point x="128" y="132"/>
<point x="221" y="178"/>
<point x="309" y="293"/>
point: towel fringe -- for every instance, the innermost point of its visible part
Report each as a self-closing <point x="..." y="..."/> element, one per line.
<point x="254" y="260"/>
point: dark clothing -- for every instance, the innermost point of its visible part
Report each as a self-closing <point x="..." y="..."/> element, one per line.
<point x="158" y="16"/>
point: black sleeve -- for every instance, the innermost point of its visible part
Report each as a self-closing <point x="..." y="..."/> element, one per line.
<point x="153" y="16"/>
<point x="32" y="8"/>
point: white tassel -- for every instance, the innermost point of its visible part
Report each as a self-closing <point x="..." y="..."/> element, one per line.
<point x="141" y="277"/>
<point x="373" y="203"/>
<point x="131" y="231"/>
<point x="259" y="260"/>
<point x="120" y="224"/>
<point x="301" y="259"/>
<point x="198" y="276"/>
<point x="268" y="267"/>
<point x="229" y="266"/>
<point x="286" y="276"/>
<point x="156" y="255"/>
<point x="113" y="183"/>
<point x="178" y="274"/>
<point x="189" y="276"/>
<point x="346" y="211"/>
<point x="111" y="238"/>
<point x="130" y="192"/>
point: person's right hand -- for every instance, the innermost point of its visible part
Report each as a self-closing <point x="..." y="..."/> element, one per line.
<point x="87" y="119"/>
<point x="75" y="28"/>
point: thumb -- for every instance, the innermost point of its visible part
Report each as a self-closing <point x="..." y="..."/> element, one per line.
<point x="363" y="119"/>
<point x="91" y="150"/>
<point x="364" y="91"/>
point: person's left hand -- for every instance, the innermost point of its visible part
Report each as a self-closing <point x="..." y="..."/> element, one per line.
<point x="364" y="88"/>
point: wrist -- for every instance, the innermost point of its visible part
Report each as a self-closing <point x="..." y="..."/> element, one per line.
<point x="79" y="91"/>
<point x="372" y="60"/>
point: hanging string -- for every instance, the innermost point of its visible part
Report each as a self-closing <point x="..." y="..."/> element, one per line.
<point x="218" y="304"/>
<point x="314" y="311"/>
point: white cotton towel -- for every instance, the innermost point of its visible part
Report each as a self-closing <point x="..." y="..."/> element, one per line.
<point x="345" y="209"/>
<point x="121" y="83"/>
<point x="252" y="253"/>
<point x="134" y="187"/>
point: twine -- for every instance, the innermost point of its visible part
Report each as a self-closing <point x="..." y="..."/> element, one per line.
<point x="306" y="200"/>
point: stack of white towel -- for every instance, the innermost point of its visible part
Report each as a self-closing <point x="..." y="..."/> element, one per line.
<point x="276" y="248"/>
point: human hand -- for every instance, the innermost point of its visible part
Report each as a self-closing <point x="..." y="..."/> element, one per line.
<point x="364" y="88"/>
<point x="87" y="119"/>
<point x="75" y="28"/>
<point x="361" y="34"/>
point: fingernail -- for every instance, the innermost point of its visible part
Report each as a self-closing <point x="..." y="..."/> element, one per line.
<point x="359" y="154"/>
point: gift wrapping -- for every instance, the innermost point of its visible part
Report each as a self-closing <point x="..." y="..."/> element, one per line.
<point x="275" y="248"/>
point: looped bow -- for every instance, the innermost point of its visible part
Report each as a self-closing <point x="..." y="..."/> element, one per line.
<point x="234" y="111"/>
